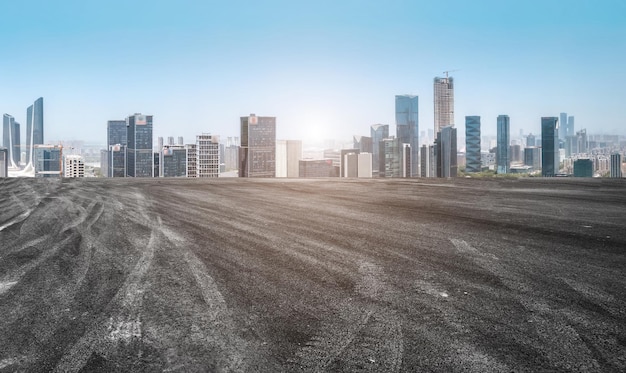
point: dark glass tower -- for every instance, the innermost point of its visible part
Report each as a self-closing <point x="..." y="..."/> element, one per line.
<point x="379" y="132"/>
<point x="549" y="146"/>
<point x="472" y="144"/>
<point x="407" y="127"/>
<point x="503" y="158"/>
<point x="11" y="139"/>
<point x="34" y="128"/>
<point x="139" y="157"/>
<point x="257" y="154"/>
<point x="116" y="132"/>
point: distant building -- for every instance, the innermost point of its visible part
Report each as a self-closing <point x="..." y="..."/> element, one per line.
<point x="180" y="141"/>
<point x="583" y="168"/>
<point x="173" y="161"/>
<point x="444" y="103"/>
<point x="407" y="128"/>
<point x="532" y="157"/>
<point x="446" y="152"/>
<point x="472" y="144"/>
<point x="378" y="132"/>
<point x="34" y="128"/>
<point x="582" y="144"/>
<point x="350" y="165"/>
<point x="170" y="140"/>
<point x="288" y="156"/>
<point x="363" y="143"/>
<point x="160" y="143"/>
<point x="116" y="161"/>
<point x="530" y="140"/>
<point x="515" y="153"/>
<point x="310" y="168"/>
<point x="48" y="160"/>
<point x="616" y="165"/>
<point x="74" y="166"/>
<point x="11" y="139"/>
<point x="4" y="162"/>
<point x="566" y="126"/>
<point x="364" y="165"/>
<point x="139" y="155"/>
<point x="117" y="132"/>
<point x="425" y="161"/>
<point x="549" y="146"/>
<point x="394" y="161"/>
<point x="192" y="160"/>
<point x="503" y="159"/>
<point x="208" y="158"/>
<point x="257" y="155"/>
<point x="156" y="164"/>
<point x="343" y="168"/>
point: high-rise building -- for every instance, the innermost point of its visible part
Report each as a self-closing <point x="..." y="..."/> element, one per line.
<point x="180" y="140"/>
<point x="257" y="155"/>
<point x="74" y="166"/>
<point x="364" y="165"/>
<point x="532" y="157"/>
<point x="583" y="168"/>
<point x="34" y="128"/>
<point x="379" y="132"/>
<point x="160" y="143"/>
<point x="48" y="160"/>
<point x="407" y="128"/>
<point x="116" y="132"/>
<point x="393" y="159"/>
<point x="343" y="167"/>
<point x="4" y="162"/>
<point x="566" y="126"/>
<point x="446" y="159"/>
<point x="363" y="143"/>
<point x="424" y="161"/>
<point x="11" y="139"/>
<point x="288" y="156"/>
<point x="530" y="140"/>
<point x="472" y="144"/>
<point x="549" y="146"/>
<point x="515" y="153"/>
<point x="208" y="155"/>
<point x="170" y="140"/>
<point x="444" y="102"/>
<point x="139" y="154"/>
<point x="173" y="161"/>
<point x="616" y="165"/>
<point x="192" y="160"/>
<point x="582" y="142"/>
<point x="503" y="159"/>
<point x="116" y="161"/>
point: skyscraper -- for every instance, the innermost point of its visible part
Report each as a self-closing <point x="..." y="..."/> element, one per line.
<point x="48" y="160"/>
<point x="444" y="102"/>
<point x="139" y="156"/>
<point x="395" y="158"/>
<point x="363" y="143"/>
<point x="472" y="144"/>
<point x="207" y="155"/>
<point x="503" y="159"/>
<point x="446" y="152"/>
<point x="116" y="132"/>
<point x="34" y="128"/>
<point x="257" y="155"/>
<point x="616" y="165"/>
<point x="549" y="146"/>
<point x="379" y="132"/>
<point x="530" y="140"/>
<point x="11" y="139"/>
<point x="566" y="126"/>
<point x="407" y="127"/>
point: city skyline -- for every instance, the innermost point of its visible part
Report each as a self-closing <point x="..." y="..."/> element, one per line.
<point x="324" y="70"/>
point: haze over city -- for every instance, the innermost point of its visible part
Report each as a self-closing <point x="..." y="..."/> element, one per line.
<point x="325" y="69"/>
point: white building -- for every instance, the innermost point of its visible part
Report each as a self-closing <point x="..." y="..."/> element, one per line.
<point x="288" y="156"/>
<point x="73" y="166"/>
<point x="208" y="155"/>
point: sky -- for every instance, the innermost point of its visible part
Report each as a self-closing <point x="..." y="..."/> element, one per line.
<point x="325" y="69"/>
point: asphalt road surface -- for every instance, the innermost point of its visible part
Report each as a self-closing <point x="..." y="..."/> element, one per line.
<point x="313" y="275"/>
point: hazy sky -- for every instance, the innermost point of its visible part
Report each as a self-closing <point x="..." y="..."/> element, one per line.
<point x="325" y="69"/>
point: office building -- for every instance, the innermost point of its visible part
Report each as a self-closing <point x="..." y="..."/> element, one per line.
<point x="139" y="155"/>
<point x="288" y="156"/>
<point x="472" y="144"/>
<point x="207" y="155"/>
<point x="444" y="102"/>
<point x="160" y="143"/>
<point x="257" y="154"/>
<point x="549" y="146"/>
<point x="532" y="157"/>
<point x="116" y="161"/>
<point x="616" y="165"/>
<point x="530" y="140"/>
<point x="48" y="160"/>
<point x="582" y="143"/>
<point x="566" y="126"/>
<point x="350" y="165"/>
<point x="583" y="168"/>
<point x="342" y="161"/>
<point x="378" y="133"/>
<point x="407" y="128"/>
<point x="364" y="166"/>
<point x="4" y="162"/>
<point x="503" y="159"/>
<point x="117" y="132"/>
<point x="180" y="141"/>
<point x="515" y="153"/>
<point x="318" y="168"/>
<point x="395" y="158"/>
<point x="173" y="161"/>
<point x="445" y="148"/>
<point x="34" y="129"/>
<point x="73" y="166"/>
<point x="11" y="140"/>
<point x="363" y="143"/>
<point x="192" y="160"/>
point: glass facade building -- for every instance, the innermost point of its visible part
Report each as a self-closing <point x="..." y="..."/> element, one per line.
<point x="257" y="154"/>
<point x="616" y="165"/>
<point x="503" y="157"/>
<point x="11" y="139"/>
<point x="139" y="155"/>
<point x="34" y="127"/>
<point x="407" y="127"/>
<point x="173" y="162"/>
<point x="583" y="168"/>
<point x="116" y="132"/>
<point x="472" y="144"/>
<point x="549" y="146"/>
<point x="48" y="160"/>
<point x="379" y="132"/>
<point x="446" y="160"/>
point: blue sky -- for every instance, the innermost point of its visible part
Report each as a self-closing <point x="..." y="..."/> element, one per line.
<point x="325" y="69"/>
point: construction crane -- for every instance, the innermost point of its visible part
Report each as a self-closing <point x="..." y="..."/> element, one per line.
<point x="449" y="71"/>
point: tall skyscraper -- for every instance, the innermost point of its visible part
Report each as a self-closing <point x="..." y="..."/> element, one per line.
<point x="34" y="128"/>
<point x="139" y="155"/>
<point x="395" y="158"/>
<point x="379" y="132"/>
<point x="616" y="165"/>
<point x="446" y="152"/>
<point x="257" y="155"/>
<point x="472" y="144"/>
<point x="503" y="158"/>
<point x="530" y="140"/>
<point x="116" y="132"/>
<point x="582" y="144"/>
<point x="363" y="143"/>
<point x="11" y="139"/>
<point x="566" y="126"/>
<point x="208" y="155"/>
<point x="407" y="127"/>
<point x="549" y="146"/>
<point x="444" y="102"/>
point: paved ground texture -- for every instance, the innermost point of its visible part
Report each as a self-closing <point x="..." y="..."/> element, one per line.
<point x="313" y="275"/>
